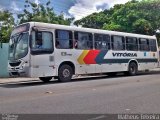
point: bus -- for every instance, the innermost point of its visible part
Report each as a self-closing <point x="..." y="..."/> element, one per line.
<point x="47" y="51"/>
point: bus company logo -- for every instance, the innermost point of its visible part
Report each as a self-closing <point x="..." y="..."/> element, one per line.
<point x="65" y="54"/>
<point x="98" y="57"/>
<point x="145" y="54"/>
<point x="124" y="54"/>
<point x="92" y="57"/>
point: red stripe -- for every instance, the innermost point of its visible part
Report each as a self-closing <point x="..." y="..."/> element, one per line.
<point x="90" y="57"/>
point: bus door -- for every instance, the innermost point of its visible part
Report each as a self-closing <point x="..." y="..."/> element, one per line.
<point x="42" y="53"/>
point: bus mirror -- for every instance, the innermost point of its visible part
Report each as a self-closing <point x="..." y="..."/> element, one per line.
<point x="35" y="29"/>
<point x="38" y="35"/>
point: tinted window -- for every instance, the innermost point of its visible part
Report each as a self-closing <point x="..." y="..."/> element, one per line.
<point x="143" y="44"/>
<point x="131" y="44"/>
<point x="118" y="43"/>
<point x="102" y="41"/>
<point x="64" y="39"/>
<point x="152" y="45"/>
<point x="42" y="42"/>
<point x="83" y="40"/>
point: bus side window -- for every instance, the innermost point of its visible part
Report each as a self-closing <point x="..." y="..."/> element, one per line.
<point x="143" y="44"/>
<point x="152" y="45"/>
<point x="83" y="40"/>
<point x="42" y="41"/>
<point x="64" y="39"/>
<point x="102" y="41"/>
<point x="131" y="44"/>
<point x="118" y="42"/>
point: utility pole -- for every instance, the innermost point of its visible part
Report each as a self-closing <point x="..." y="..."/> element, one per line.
<point x="157" y="34"/>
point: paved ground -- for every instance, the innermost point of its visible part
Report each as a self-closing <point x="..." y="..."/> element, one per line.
<point x="121" y="94"/>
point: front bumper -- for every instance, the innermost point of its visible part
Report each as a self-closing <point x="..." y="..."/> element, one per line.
<point x="18" y="70"/>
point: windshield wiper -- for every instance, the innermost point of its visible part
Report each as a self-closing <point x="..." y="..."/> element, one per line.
<point x="19" y="37"/>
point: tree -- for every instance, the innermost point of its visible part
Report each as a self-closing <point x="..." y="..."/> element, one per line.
<point x="141" y="17"/>
<point x="112" y="26"/>
<point x="7" y="20"/>
<point x="142" y="26"/>
<point x="41" y="13"/>
<point x="95" y="20"/>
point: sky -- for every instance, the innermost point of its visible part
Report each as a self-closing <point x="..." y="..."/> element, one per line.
<point x="71" y="8"/>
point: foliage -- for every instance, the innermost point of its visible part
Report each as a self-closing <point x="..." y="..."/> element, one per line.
<point x="32" y="12"/>
<point x="142" y="26"/>
<point x="112" y="26"/>
<point x="93" y="21"/>
<point x="7" y="25"/>
<point x="141" y="17"/>
<point x="41" y="13"/>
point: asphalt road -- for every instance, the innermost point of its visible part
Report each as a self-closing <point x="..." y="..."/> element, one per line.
<point x="121" y="94"/>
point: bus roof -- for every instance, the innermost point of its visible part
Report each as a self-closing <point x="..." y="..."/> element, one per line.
<point x="73" y="28"/>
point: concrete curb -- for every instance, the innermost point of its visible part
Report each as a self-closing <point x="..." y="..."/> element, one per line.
<point x="10" y="80"/>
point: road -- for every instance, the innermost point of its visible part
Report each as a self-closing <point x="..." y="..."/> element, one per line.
<point x="120" y="94"/>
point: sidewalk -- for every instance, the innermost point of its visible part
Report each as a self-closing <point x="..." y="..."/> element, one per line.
<point x="16" y="79"/>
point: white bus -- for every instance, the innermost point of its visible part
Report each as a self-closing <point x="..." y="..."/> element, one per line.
<point x="47" y="50"/>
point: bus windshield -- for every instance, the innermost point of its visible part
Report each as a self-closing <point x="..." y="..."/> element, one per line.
<point x="18" y="46"/>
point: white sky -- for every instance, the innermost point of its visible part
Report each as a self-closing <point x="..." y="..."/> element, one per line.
<point x="71" y="8"/>
<point x="82" y="8"/>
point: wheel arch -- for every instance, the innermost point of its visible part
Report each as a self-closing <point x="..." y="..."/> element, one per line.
<point x="133" y="60"/>
<point x="68" y="63"/>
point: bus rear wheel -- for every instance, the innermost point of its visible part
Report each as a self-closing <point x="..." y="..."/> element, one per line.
<point x="132" y="70"/>
<point x="45" y="79"/>
<point x="65" y="73"/>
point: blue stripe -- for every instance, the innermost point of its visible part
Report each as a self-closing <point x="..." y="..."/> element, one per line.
<point x="100" y="57"/>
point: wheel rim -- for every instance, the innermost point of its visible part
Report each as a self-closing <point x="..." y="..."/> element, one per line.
<point x="132" y="69"/>
<point x="66" y="73"/>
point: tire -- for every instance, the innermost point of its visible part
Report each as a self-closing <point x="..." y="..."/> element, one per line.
<point x="132" y="69"/>
<point x="45" y="79"/>
<point x="112" y="74"/>
<point x="65" y="73"/>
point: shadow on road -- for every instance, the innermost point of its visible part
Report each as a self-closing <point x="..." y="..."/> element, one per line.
<point x="54" y="81"/>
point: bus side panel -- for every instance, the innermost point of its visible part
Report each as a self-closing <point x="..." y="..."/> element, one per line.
<point x="42" y="66"/>
<point x="114" y="67"/>
<point x="147" y="60"/>
<point x="75" y="57"/>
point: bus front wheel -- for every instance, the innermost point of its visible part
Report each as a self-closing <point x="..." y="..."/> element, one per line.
<point x="65" y="73"/>
<point x="132" y="70"/>
<point x="45" y="79"/>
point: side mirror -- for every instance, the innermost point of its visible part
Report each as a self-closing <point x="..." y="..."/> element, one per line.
<point x="35" y="29"/>
<point x="38" y="38"/>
